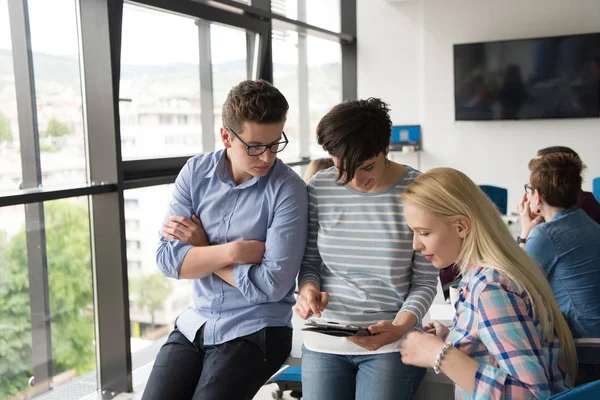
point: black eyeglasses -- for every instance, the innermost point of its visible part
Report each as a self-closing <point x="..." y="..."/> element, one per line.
<point x="257" y="150"/>
<point x="528" y="188"/>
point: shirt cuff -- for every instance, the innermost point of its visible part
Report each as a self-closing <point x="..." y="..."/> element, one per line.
<point x="309" y="278"/>
<point x="240" y="273"/>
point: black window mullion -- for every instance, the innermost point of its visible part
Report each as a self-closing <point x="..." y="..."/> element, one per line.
<point x="349" y="53"/>
<point x="100" y="27"/>
<point x="39" y="298"/>
<point x="206" y="86"/>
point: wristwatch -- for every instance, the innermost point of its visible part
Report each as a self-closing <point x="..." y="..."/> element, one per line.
<point x="520" y="240"/>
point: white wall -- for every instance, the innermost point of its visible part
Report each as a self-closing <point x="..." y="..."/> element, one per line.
<point x="405" y="57"/>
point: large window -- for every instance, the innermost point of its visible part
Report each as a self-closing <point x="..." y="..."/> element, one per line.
<point x="10" y="162"/>
<point x="54" y="42"/>
<point x="229" y="67"/>
<point x="322" y="13"/>
<point x="56" y="249"/>
<point x="307" y="70"/>
<point x="154" y="300"/>
<point x="160" y="85"/>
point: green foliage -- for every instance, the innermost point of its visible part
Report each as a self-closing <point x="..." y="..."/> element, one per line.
<point x="57" y="129"/>
<point x="47" y="146"/>
<point x="5" y="131"/>
<point x="150" y="292"/>
<point x="70" y="284"/>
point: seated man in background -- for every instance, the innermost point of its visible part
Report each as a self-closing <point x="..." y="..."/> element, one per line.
<point x="586" y="200"/>
<point x="565" y="243"/>
<point x="236" y="226"/>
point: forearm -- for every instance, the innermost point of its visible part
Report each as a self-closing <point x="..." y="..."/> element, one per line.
<point x="460" y="368"/>
<point x="307" y="286"/>
<point x="226" y="273"/>
<point x="201" y="261"/>
<point x="405" y="321"/>
<point x="421" y="294"/>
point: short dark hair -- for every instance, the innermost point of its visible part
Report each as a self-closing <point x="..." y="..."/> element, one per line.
<point x="253" y="101"/>
<point x="556" y="149"/>
<point x="558" y="177"/>
<point x="355" y="131"/>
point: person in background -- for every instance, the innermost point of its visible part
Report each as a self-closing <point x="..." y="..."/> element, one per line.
<point x="566" y="247"/>
<point x="509" y="339"/>
<point x="359" y="267"/>
<point x="586" y="200"/>
<point x="317" y="165"/>
<point x="236" y="227"/>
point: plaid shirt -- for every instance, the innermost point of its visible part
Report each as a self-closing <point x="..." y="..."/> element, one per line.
<point x="494" y="325"/>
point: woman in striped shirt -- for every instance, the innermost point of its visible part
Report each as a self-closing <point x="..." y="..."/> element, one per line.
<point x="509" y="339"/>
<point x="359" y="267"/>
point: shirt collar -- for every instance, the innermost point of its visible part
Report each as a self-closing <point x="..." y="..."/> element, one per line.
<point x="468" y="276"/>
<point x="220" y="169"/>
<point x="564" y="212"/>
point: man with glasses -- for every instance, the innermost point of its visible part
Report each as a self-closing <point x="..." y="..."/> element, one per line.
<point x="236" y="226"/>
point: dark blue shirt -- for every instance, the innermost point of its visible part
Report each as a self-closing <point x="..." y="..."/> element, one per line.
<point x="273" y="209"/>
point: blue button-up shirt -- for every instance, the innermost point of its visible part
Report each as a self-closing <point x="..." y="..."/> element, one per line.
<point x="568" y="251"/>
<point x="273" y="209"/>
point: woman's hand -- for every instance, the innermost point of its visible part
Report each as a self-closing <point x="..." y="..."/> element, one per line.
<point x="311" y="301"/>
<point x="185" y="230"/>
<point x="382" y="333"/>
<point x="437" y="328"/>
<point x="420" y="349"/>
<point x="528" y="219"/>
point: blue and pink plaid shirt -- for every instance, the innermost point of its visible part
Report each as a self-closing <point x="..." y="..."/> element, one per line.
<point x="494" y="325"/>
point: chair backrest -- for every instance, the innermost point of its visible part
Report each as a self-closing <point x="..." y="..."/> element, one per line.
<point x="596" y="188"/>
<point x="498" y="195"/>
<point x="589" y="391"/>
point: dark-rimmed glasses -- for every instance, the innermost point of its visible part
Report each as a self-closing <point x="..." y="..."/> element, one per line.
<point x="528" y="188"/>
<point x="258" y="149"/>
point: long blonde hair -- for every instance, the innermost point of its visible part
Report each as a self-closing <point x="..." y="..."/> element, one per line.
<point x="448" y="194"/>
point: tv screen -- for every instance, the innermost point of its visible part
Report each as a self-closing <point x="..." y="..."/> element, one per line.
<point x="553" y="77"/>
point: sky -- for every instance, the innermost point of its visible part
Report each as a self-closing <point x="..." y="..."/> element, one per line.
<point x="154" y="38"/>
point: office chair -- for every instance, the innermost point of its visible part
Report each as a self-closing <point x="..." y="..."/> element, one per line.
<point x="589" y="391"/>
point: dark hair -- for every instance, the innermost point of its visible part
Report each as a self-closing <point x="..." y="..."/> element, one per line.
<point x="253" y="101"/>
<point x="556" y="149"/>
<point x="558" y="177"/>
<point x="355" y="131"/>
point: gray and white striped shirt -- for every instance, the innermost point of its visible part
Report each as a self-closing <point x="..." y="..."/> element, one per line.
<point x="359" y="250"/>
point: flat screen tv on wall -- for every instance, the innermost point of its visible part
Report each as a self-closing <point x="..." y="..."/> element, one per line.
<point x="551" y="77"/>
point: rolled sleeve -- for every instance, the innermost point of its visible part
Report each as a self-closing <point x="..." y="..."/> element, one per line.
<point x="170" y="253"/>
<point x="423" y="287"/>
<point x="488" y="380"/>
<point x="275" y="277"/>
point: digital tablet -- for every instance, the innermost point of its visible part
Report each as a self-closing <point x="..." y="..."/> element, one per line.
<point x="334" y="329"/>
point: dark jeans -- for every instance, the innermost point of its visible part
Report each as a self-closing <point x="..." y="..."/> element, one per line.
<point x="232" y="370"/>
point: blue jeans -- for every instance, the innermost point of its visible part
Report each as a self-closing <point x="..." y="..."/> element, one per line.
<point x="360" y="377"/>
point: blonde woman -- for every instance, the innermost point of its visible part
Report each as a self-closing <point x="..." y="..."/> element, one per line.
<point x="509" y="338"/>
<point x="317" y="165"/>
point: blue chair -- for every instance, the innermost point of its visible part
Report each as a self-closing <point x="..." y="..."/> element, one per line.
<point x="289" y="377"/>
<point x="498" y="195"/>
<point x="589" y="391"/>
<point x="596" y="188"/>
